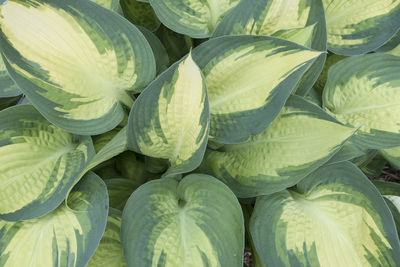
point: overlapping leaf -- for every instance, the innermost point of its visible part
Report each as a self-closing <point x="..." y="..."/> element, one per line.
<point x="68" y="236"/>
<point x="295" y="20"/>
<point x="75" y="61"/>
<point x="301" y="139"/>
<point x="196" y="18"/>
<point x="335" y="217"/>
<point x="194" y="223"/>
<point x="170" y="119"/>
<point x="391" y="194"/>
<point x="8" y="88"/>
<point x="39" y="163"/>
<point x="360" y="26"/>
<point x="249" y="79"/>
<point x="391" y="47"/>
<point x="392" y="155"/>
<point x="110" y="4"/>
<point x="109" y="251"/>
<point x="299" y="21"/>
<point x="364" y="91"/>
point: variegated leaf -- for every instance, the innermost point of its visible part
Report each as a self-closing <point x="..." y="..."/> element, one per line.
<point x="391" y="47"/>
<point x="109" y="251"/>
<point x="170" y="119"/>
<point x="39" y="163"/>
<point x="249" y="79"/>
<point x="67" y="236"/>
<point x="197" y="222"/>
<point x="391" y="194"/>
<point x="76" y="61"/>
<point x="141" y="14"/>
<point x="359" y="26"/>
<point x="301" y="139"/>
<point x="8" y="88"/>
<point x="363" y="91"/>
<point x="110" y="4"/>
<point x="298" y="21"/>
<point x="348" y="152"/>
<point x="196" y="18"/>
<point x="334" y="217"/>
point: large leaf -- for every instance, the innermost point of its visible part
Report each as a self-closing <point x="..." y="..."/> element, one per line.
<point x="196" y="18"/>
<point x="249" y="79"/>
<point x="194" y="223"/>
<point x="68" y="236"/>
<point x="363" y="92"/>
<point x="391" y="194"/>
<point x="8" y="88"/>
<point x="39" y="163"/>
<point x="335" y="217"/>
<point x="301" y="139"/>
<point x="170" y="119"/>
<point x="348" y="152"/>
<point x="295" y="20"/>
<point x="76" y="61"/>
<point x="299" y="21"/>
<point x="109" y="251"/>
<point x="141" y="14"/>
<point x="391" y="47"/>
<point x="359" y="26"/>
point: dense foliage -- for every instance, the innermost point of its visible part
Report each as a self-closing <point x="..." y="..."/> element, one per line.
<point x="186" y="132"/>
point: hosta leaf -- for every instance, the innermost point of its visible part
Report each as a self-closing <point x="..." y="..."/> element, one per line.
<point x="110" y="4"/>
<point x="8" y="88"/>
<point x="299" y="21"/>
<point x="194" y="223"/>
<point x="196" y="18"/>
<point x="109" y="251"/>
<point x="374" y="167"/>
<point x="67" y="236"/>
<point x="159" y="51"/>
<point x="392" y="156"/>
<point x="141" y="14"/>
<point x="359" y="26"/>
<point x="39" y="163"/>
<point x="364" y="91"/>
<point x="99" y="141"/>
<point x="119" y="190"/>
<point x="335" y="217"/>
<point x="170" y="119"/>
<point x="391" y="193"/>
<point x="347" y="152"/>
<point x="249" y="79"/>
<point x="301" y="139"/>
<point x="391" y="47"/>
<point x="75" y="71"/>
<point x="284" y="19"/>
<point x="330" y="61"/>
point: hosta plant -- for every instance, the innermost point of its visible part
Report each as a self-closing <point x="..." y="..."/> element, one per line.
<point x="188" y="132"/>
